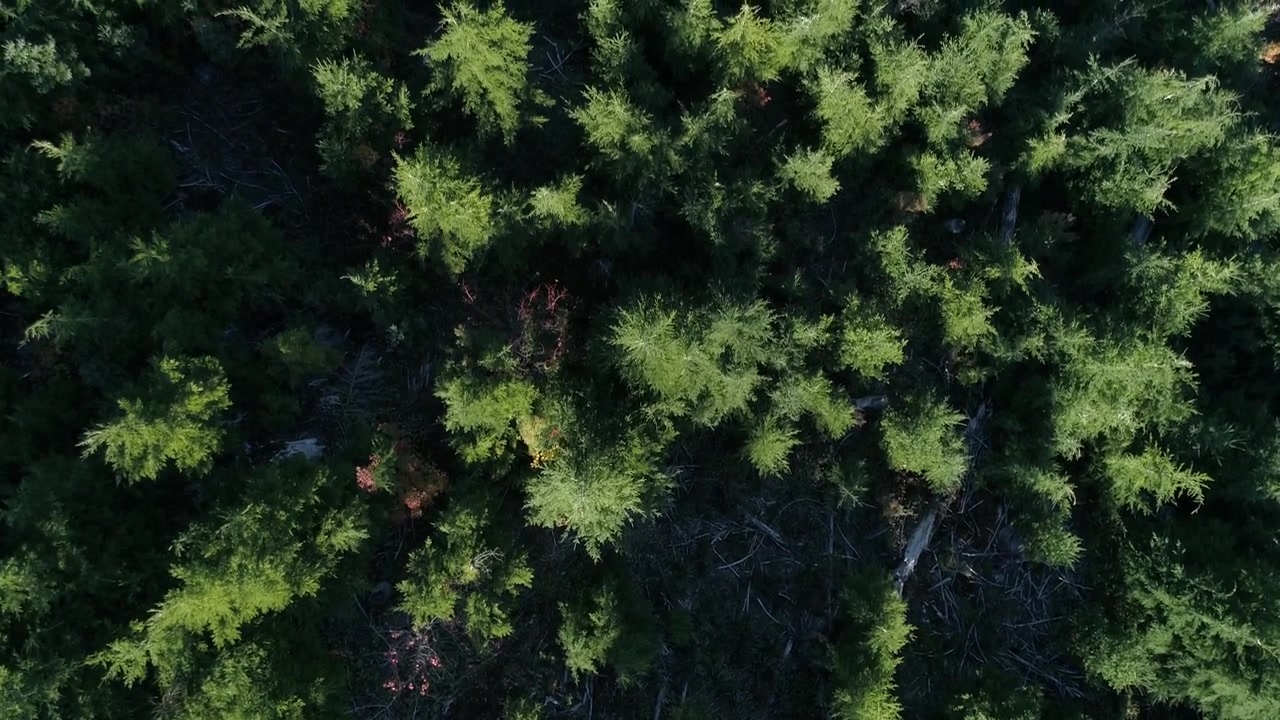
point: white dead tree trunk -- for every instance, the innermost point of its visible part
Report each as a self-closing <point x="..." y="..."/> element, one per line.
<point x="871" y="402"/>
<point x="919" y="540"/>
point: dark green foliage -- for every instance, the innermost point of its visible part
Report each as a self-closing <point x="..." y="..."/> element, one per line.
<point x="610" y="626"/>
<point x="259" y="559"/>
<point x="1148" y="123"/>
<point x="358" y="103"/>
<point x="1187" y="637"/>
<point x="652" y="358"/>
<point x="1113" y="391"/>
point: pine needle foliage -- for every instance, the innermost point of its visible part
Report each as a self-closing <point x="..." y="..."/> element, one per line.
<point x="174" y="419"/>
<point x="924" y="437"/>
<point x="450" y="210"/>
<point x="639" y="358"/>
<point x="481" y="58"/>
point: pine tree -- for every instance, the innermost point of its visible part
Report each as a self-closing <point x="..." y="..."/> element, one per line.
<point x="256" y="559"/>
<point x="358" y="103"/>
<point x="1183" y="635"/>
<point x="868" y="653"/>
<point x="625" y="136"/>
<point x="750" y="48"/>
<point x="449" y="208"/>
<point x="1144" y="124"/>
<point x="978" y="66"/>
<point x="1114" y="391"/>
<point x="809" y="171"/>
<point x="819" y="30"/>
<point x="963" y="174"/>
<point x="595" y="487"/>
<point x="482" y="59"/>
<point x="557" y="205"/>
<point x="587" y="634"/>
<point x="298" y="31"/>
<point x="901" y="68"/>
<point x="1238" y="196"/>
<point x="869" y="345"/>
<point x="482" y="415"/>
<point x="1145" y="481"/>
<point x="707" y="369"/>
<point x="609" y="626"/>
<point x="851" y="123"/>
<point x="470" y="570"/>
<point x="1171" y="293"/>
<point x="173" y="419"/>
<point x="923" y="436"/>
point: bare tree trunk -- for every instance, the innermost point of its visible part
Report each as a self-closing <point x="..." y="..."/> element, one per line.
<point x="871" y="402"/>
<point x="1009" y="219"/>
<point x="1140" y="230"/>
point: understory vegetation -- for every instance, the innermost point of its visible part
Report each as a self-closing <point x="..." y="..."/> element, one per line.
<point x="649" y="359"/>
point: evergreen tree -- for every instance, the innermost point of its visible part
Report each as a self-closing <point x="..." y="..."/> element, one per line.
<point x="615" y="368"/>
<point x="595" y="487"/>
<point x="923" y="436"/>
<point x="257" y="559"/>
<point x="358" y="102"/>
<point x="450" y="209"/>
<point x="172" y="419"/>
<point x="481" y="58"/>
<point x="866" y="657"/>
<point x="469" y="571"/>
<point x="1147" y="123"/>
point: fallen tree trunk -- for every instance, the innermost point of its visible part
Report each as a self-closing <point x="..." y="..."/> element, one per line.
<point x="871" y="402"/>
<point x="919" y="540"/>
<point x="1009" y="220"/>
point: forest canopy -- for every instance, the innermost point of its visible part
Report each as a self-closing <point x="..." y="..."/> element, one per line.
<point x="686" y="359"/>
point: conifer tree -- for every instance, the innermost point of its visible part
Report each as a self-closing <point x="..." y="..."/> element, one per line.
<point x="469" y="570"/>
<point x="280" y="545"/>
<point x="851" y="122"/>
<point x="866" y="657"/>
<point x="595" y="487"/>
<point x="809" y="171"/>
<point x="750" y="48"/>
<point x="1115" y="390"/>
<point x="483" y="416"/>
<point x="1240" y="199"/>
<point x="869" y="345"/>
<point x="707" y="369"/>
<point x="482" y="58"/>
<point x="1147" y="123"/>
<point x="358" y="101"/>
<point x="611" y="353"/>
<point x="449" y="208"/>
<point x="923" y="436"/>
<point x="624" y="135"/>
<point x="1150" y="479"/>
<point x="1184" y="636"/>
<point x="173" y="419"/>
